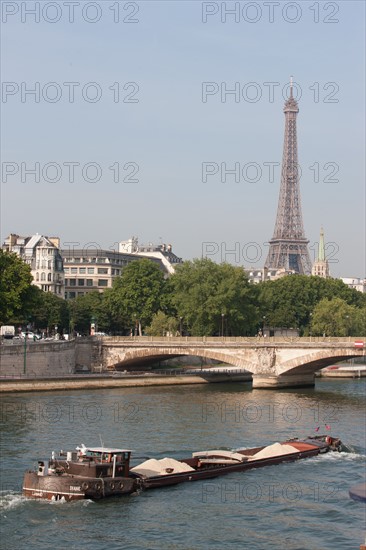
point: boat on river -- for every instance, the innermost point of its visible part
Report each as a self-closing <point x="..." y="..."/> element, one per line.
<point x="98" y="472"/>
<point x="87" y="473"/>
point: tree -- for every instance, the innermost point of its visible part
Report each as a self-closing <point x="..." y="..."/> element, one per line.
<point x="51" y="311"/>
<point x="290" y="301"/>
<point x="214" y="298"/>
<point x="18" y="296"/>
<point x="334" y="318"/>
<point x="163" y="325"/>
<point x="136" y="295"/>
<point x="86" y="309"/>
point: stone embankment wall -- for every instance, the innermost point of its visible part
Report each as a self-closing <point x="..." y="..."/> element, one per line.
<point x="39" y="359"/>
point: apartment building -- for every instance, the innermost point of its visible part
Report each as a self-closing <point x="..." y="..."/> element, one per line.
<point x="43" y="256"/>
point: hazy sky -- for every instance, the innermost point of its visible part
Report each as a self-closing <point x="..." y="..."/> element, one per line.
<point x="130" y="125"/>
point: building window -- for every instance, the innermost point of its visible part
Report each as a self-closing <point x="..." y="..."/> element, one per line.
<point x="72" y="282"/>
<point x="82" y="270"/>
<point x="74" y="270"/>
<point x="90" y="270"/>
<point x="49" y="277"/>
<point x="72" y="294"/>
<point x="102" y="282"/>
<point x="102" y="271"/>
<point x="43" y="276"/>
<point x="37" y="276"/>
<point x="89" y="282"/>
<point x="66" y="270"/>
<point x="81" y="282"/>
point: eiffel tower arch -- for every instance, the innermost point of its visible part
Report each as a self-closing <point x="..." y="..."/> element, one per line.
<point x="288" y="247"/>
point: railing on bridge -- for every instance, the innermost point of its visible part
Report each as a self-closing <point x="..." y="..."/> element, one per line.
<point x="252" y="340"/>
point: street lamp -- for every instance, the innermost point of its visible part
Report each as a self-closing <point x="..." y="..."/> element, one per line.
<point x="264" y="323"/>
<point x="25" y="352"/>
<point x="311" y="320"/>
<point x="180" y="325"/>
<point x="347" y="325"/>
<point x="222" y="324"/>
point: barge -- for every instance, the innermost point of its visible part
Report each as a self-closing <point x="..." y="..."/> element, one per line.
<point x="99" y="472"/>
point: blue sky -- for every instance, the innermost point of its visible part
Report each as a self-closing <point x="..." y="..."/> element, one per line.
<point x="166" y="131"/>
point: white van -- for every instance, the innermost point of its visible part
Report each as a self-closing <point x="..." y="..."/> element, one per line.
<point x="7" y="331"/>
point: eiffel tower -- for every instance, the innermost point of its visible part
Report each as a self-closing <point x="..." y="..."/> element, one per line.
<point x="288" y="246"/>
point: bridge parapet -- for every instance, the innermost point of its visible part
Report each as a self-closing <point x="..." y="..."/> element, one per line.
<point x="233" y="341"/>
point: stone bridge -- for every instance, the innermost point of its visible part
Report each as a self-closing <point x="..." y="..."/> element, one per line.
<point x="273" y="361"/>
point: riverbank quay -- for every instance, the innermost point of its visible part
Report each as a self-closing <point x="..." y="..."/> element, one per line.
<point x="343" y="371"/>
<point x="118" y="380"/>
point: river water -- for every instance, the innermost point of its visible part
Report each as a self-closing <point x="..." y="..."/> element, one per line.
<point x="295" y="506"/>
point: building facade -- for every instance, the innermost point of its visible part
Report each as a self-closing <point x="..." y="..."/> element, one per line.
<point x="91" y="269"/>
<point x="95" y="269"/>
<point x="43" y="256"/>
<point x="162" y="252"/>
<point x="355" y="282"/>
<point x="259" y="275"/>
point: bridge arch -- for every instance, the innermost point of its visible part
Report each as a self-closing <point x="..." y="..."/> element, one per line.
<point x="140" y="356"/>
<point x="314" y="361"/>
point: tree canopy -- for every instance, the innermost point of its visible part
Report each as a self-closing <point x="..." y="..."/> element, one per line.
<point x="17" y="294"/>
<point x="290" y="301"/>
<point x="214" y="298"/>
<point x="136" y="295"/>
<point x="201" y="298"/>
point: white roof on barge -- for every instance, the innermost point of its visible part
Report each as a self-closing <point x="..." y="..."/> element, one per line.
<point x="108" y="450"/>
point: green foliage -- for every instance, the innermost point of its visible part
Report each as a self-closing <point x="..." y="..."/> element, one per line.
<point x="213" y="298"/>
<point x="17" y="294"/>
<point x="137" y="294"/>
<point x="90" y="307"/>
<point x="334" y="317"/>
<point x="290" y="301"/>
<point x="50" y="310"/>
<point x="163" y="325"/>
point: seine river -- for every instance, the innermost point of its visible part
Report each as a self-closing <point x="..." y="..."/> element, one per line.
<point x="295" y="506"/>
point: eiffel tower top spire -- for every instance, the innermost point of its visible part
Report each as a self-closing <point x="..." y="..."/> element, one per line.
<point x="288" y="246"/>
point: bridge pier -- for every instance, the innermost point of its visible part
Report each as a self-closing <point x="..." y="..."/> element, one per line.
<point x="270" y="381"/>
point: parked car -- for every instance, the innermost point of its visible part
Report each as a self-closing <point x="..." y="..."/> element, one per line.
<point x="30" y="335"/>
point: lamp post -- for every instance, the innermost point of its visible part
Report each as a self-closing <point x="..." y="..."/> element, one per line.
<point x="222" y="324"/>
<point x="25" y="352"/>
<point x="347" y="325"/>
<point x="180" y="325"/>
<point x="310" y="328"/>
<point x="264" y="322"/>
